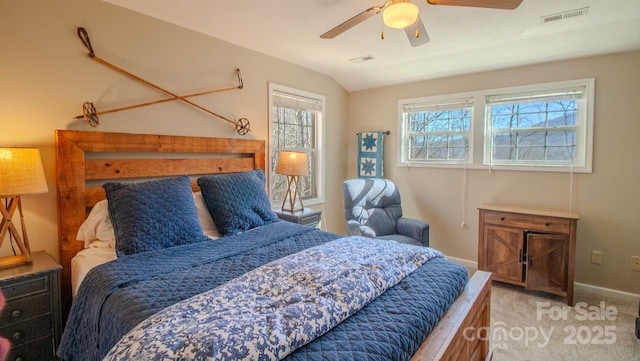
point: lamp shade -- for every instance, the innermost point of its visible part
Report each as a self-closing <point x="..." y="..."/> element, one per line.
<point x="399" y="15"/>
<point x="293" y="163"/>
<point x="21" y="172"/>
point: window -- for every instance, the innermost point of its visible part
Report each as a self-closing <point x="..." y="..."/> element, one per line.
<point x="537" y="127"/>
<point x="296" y="124"/>
<point x="436" y="131"/>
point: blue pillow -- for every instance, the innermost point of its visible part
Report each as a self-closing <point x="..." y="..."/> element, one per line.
<point x="152" y="215"/>
<point x="237" y="201"/>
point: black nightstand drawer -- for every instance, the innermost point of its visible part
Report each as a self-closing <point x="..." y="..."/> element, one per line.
<point x="12" y="290"/>
<point x="31" y="320"/>
<point x="39" y="350"/>
<point x="310" y="220"/>
<point x="26" y="308"/>
<point x="28" y="331"/>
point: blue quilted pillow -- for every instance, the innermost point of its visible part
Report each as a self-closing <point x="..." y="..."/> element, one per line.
<point x="152" y="215"/>
<point x="237" y="201"/>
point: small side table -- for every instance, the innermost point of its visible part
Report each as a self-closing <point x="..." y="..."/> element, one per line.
<point x="31" y="319"/>
<point x="307" y="217"/>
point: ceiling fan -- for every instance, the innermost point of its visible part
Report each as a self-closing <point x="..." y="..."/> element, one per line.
<point x="403" y="14"/>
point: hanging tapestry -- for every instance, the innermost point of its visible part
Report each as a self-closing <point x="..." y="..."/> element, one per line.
<point x="370" y="152"/>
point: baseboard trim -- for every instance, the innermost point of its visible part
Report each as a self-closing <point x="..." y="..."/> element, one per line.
<point x="607" y="292"/>
<point x="464" y="262"/>
<point x="584" y="287"/>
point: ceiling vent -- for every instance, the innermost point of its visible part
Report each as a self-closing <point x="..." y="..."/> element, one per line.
<point x="564" y="15"/>
<point x="361" y="59"/>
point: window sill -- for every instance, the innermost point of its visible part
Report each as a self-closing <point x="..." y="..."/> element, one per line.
<point x="501" y="167"/>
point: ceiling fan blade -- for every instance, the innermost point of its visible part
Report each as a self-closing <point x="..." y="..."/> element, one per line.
<point x="493" y="4"/>
<point x="351" y="22"/>
<point x="417" y="33"/>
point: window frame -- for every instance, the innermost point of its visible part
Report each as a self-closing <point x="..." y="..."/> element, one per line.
<point x="435" y="102"/>
<point x="584" y="127"/>
<point x="316" y="156"/>
<point x="480" y="139"/>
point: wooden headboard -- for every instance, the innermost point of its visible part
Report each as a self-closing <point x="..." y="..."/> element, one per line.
<point x="85" y="160"/>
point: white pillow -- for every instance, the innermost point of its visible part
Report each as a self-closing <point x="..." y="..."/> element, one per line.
<point x="206" y="222"/>
<point x="97" y="231"/>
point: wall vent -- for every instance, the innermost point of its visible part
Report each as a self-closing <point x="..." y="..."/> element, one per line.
<point x="564" y="15"/>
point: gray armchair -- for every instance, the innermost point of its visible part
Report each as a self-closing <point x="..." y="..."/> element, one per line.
<point x="372" y="209"/>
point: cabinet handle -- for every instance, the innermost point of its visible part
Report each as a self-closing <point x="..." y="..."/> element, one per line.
<point x="16" y="336"/>
<point x="520" y="255"/>
<point x="502" y="218"/>
<point x="15" y="314"/>
<point x="530" y="263"/>
<point x="547" y="224"/>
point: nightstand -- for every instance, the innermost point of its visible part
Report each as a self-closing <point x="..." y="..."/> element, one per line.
<point x="31" y="319"/>
<point x="307" y="216"/>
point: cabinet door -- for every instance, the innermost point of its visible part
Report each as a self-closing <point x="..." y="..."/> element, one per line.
<point x="547" y="262"/>
<point x="504" y="252"/>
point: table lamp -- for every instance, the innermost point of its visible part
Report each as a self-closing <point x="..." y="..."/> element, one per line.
<point x="21" y="172"/>
<point x="292" y="164"/>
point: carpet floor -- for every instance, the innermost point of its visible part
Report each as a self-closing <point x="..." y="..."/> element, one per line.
<point x="529" y="325"/>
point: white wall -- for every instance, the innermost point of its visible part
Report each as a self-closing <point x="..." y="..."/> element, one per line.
<point x="608" y="200"/>
<point x="47" y="75"/>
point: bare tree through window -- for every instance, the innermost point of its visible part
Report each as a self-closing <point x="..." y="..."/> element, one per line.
<point x="535" y="127"/>
<point x="439" y="134"/>
<point x="294" y="126"/>
<point x="534" y="131"/>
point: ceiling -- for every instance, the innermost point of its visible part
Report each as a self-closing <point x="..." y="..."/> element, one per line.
<point x="463" y="40"/>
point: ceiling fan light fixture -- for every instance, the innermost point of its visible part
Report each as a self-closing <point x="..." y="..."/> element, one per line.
<point x="399" y="15"/>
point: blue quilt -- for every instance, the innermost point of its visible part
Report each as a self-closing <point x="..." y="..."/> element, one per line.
<point x="116" y="296"/>
<point x="371" y="154"/>
<point x="271" y="311"/>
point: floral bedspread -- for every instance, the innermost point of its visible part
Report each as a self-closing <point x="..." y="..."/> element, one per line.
<point x="269" y="312"/>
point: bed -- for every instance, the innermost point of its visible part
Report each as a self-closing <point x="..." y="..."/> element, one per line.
<point x="86" y="160"/>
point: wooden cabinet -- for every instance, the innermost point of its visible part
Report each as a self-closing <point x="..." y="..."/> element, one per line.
<point x="31" y="317"/>
<point x="638" y="323"/>
<point x="307" y="217"/>
<point x="528" y="247"/>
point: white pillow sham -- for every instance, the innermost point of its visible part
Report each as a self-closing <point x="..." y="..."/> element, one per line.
<point x="97" y="231"/>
